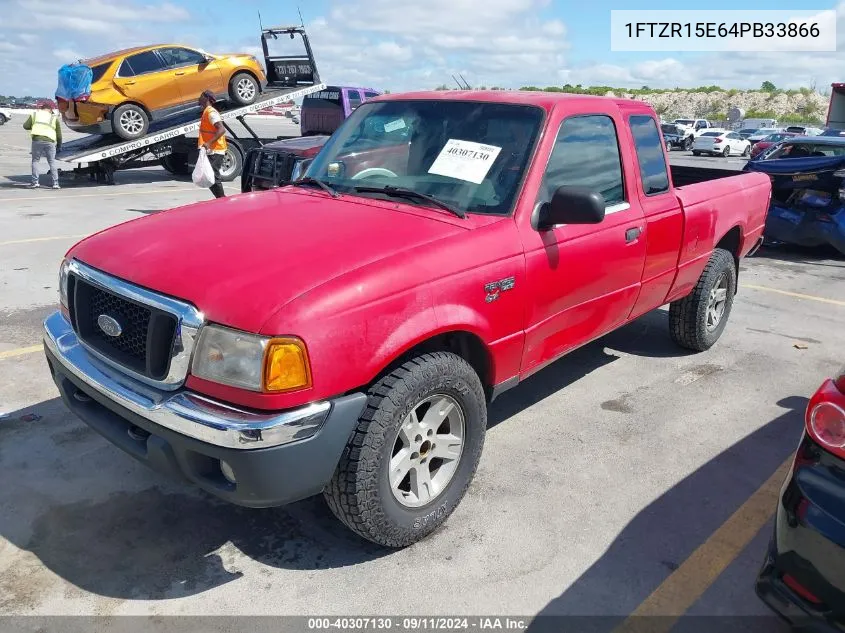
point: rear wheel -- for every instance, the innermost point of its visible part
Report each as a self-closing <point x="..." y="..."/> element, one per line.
<point x="130" y="121"/>
<point x="687" y="143"/>
<point x="233" y="163"/>
<point x="243" y="89"/>
<point x="726" y="152"/>
<point x="695" y="153"/>
<point x="3" y="119"/>
<point x="698" y="320"/>
<point x="176" y="164"/>
<point x="747" y="151"/>
<point x="414" y="452"/>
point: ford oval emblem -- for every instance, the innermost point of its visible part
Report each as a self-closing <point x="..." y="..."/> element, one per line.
<point x="109" y="325"/>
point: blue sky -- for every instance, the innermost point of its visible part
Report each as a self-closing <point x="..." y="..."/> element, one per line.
<point x="401" y="44"/>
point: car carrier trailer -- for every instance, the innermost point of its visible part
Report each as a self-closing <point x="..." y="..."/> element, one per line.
<point x="289" y="77"/>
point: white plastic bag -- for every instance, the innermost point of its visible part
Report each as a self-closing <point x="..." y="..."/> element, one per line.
<point x="203" y="175"/>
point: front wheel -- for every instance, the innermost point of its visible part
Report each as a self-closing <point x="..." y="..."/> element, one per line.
<point x="687" y="143"/>
<point x="747" y="151"/>
<point x="414" y="452"/>
<point x="243" y="89"/>
<point x="698" y="320"/>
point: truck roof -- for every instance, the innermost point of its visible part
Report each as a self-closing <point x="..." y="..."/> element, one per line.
<point x="545" y="100"/>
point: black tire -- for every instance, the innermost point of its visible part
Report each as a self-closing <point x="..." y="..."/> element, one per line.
<point x="726" y="152"/>
<point x="2" y="119"/>
<point x="687" y="144"/>
<point x="233" y="163"/>
<point x="360" y="494"/>
<point x="130" y="121"/>
<point x="176" y="164"/>
<point x="243" y="89"/>
<point x="694" y="153"/>
<point x="747" y="151"/>
<point x="688" y="317"/>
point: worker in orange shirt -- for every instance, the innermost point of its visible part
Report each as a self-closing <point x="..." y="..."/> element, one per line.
<point x="212" y="136"/>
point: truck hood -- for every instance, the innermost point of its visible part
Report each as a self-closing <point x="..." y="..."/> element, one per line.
<point x="240" y="259"/>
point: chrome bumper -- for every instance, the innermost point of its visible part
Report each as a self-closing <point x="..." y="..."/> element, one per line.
<point x="183" y="411"/>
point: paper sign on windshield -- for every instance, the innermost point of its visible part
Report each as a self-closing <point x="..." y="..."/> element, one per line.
<point x="398" y="124"/>
<point x="465" y="160"/>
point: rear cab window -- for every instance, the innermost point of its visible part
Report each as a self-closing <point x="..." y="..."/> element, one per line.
<point x="653" y="173"/>
<point x="586" y="153"/>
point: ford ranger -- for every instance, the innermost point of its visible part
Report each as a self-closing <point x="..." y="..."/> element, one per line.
<point x="345" y="334"/>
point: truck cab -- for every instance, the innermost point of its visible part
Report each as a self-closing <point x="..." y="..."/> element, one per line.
<point x="324" y="111"/>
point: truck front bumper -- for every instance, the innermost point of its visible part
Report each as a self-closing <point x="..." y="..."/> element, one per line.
<point x="249" y="458"/>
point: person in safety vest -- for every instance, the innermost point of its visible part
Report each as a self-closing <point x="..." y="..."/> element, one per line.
<point x="212" y="136"/>
<point x="46" y="131"/>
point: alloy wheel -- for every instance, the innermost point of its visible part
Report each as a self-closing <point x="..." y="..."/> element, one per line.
<point x="131" y="122"/>
<point x="245" y="89"/>
<point x="426" y="451"/>
<point x="716" y="302"/>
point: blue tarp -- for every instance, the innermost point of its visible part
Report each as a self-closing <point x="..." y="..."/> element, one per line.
<point x="806" y="164"/>
<point x="74" y="82"/>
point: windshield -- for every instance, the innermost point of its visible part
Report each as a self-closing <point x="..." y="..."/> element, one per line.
<point x="684" y="121"/>
<point x="470" y="155"/>
<point x="803" y="150"/>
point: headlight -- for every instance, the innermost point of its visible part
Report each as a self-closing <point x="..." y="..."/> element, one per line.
<point x="249" y="361"/>
<point x="63" y="273"/>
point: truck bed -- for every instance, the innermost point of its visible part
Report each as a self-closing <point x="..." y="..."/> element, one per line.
<point x="683" y="175"/>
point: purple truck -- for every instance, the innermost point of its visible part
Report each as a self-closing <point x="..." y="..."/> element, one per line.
<point x="323" y="112"/>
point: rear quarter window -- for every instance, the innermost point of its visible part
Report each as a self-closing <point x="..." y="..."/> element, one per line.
<point x="653" y="172"/>
<point x="98" y="71"/>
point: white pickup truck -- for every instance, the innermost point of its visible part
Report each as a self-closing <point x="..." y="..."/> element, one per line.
<point x="692" y="129"/>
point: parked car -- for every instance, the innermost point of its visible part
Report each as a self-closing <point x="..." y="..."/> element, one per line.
<point x="278" y="163"/>
<point x="134" y="87"/>
<point x="323" y="112"/>
<point x="675" y="137"/>
<point x="802" y="576"/>
<point x="808" y="191"/>
<point x="346" y="334"/>
<point x="804" y="130"/>
<point x="763" y="132"/>
<point x="721" y="143"/>
<point x="747" y="131"/>
<point x="692" y="128"/>
<point x="768" y="141"/>
<point x="5" y="115"/>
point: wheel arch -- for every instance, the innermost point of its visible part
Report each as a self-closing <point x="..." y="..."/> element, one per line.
<point x="732" y="242"/>
<point x="460" y="341"/>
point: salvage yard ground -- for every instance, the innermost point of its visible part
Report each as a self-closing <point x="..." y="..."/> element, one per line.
<point x="602" y="484"/>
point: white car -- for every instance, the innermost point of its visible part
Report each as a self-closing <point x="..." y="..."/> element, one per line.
<point x="5" y="115"/>
<point x="721" y="143"/>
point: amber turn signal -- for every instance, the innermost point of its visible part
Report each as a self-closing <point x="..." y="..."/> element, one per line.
<point x="286" y="365"/>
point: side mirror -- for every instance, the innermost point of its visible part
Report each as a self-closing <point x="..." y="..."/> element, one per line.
<point x="570" y="205"/>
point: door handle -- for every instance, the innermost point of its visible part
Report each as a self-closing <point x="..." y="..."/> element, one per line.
<point x="130" y="83"/>
<point x="180" y="73"/>
<point x="632" y="234"/>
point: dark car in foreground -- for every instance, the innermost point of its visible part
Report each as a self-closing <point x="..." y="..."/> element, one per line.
<point x="278" y="163"/>
<point x="674" y="137"/>
<point x="808" y="191"/>
<point x="803" y="576"/>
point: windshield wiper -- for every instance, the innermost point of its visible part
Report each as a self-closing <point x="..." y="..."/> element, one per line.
<point x="308" y="180"/>
<point x="401" y="192"/>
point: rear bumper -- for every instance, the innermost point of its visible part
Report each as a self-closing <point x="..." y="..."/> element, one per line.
<point x="807" y="549"/>
<point x="297" y="460"/>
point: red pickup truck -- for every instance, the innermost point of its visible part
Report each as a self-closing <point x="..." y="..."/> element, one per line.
<point x="346" y="333"/>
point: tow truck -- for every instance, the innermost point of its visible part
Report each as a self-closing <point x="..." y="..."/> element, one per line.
<point x="289" y="77"/>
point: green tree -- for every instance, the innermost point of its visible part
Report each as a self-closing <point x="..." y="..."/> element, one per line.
<point x="768" y="86"/>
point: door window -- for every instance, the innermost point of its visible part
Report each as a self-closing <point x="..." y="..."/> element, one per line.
<point x="179" y="57"/>
<point x="653" y="173"/>
<point x="586" y="154"/>
<point x="354" y="100"/>
<point x="140" y="64"/>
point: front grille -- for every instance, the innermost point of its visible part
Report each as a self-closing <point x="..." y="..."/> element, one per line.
<point x="146" y="337"/>
<point x="271" y="168"/>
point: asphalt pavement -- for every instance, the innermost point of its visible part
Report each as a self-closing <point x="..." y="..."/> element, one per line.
<point x="602" y="475"/>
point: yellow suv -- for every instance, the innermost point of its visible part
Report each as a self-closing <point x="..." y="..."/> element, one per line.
<point x="132" y="88"/>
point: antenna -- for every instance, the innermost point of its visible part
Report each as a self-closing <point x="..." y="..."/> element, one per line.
<point x="301" y="22"/>
<point x="260" y="25"/>
<point x="468" y="87"/>
<point x="460" y="87"/>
